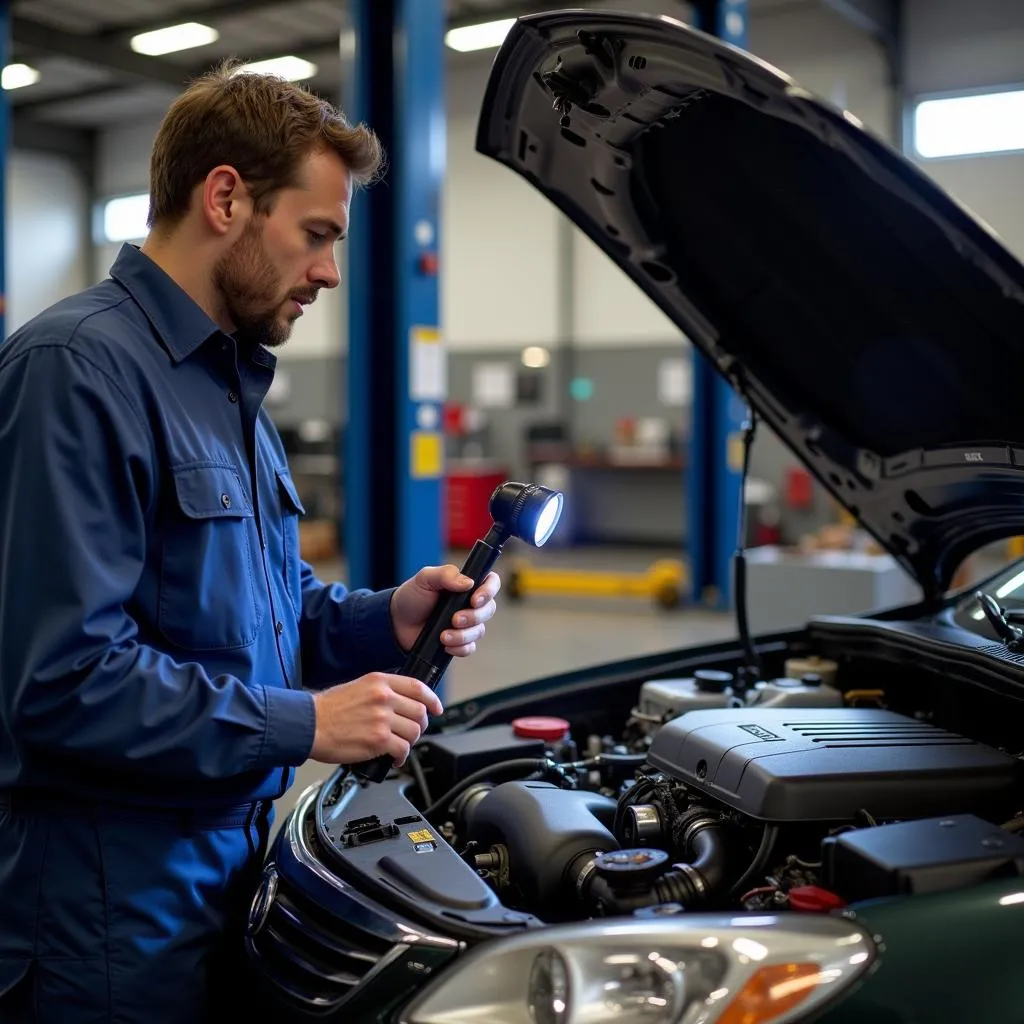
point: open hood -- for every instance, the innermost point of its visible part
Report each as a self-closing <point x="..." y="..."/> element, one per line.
<point x="868" y="319"/>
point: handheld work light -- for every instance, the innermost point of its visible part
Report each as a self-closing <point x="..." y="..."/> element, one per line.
<point x="526" y="511"/>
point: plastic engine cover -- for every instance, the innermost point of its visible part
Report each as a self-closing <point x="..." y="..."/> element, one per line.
<point x="827" y="764"/>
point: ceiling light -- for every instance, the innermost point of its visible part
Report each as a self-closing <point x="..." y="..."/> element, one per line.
<point x="17" y="76"/>
<point x="485" y="36"/>
<point x="174" y="38"/>
<point x="536" y="357"/>
<point x="291" y="69"/>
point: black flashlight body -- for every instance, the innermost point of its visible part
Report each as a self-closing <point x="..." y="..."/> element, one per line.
<point x="427" y="660"/>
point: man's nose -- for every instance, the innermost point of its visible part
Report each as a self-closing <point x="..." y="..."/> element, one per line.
<point x="326" y="274"/>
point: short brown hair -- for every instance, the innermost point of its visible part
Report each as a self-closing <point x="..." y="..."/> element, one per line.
<point x="262" y="126"/>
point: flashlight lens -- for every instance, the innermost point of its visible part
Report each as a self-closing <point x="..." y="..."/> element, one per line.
<point x="547" y="520"/>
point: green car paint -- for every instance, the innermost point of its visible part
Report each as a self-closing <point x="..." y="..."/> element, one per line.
<point x="950" y="958"/>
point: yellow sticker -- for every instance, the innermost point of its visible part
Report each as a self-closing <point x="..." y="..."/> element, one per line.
<point x="427" y="454"/>
<point x="423" y="836"/>
<point x="734" y="453"/>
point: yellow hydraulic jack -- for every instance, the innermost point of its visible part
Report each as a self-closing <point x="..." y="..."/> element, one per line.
<point x="664" y="582"/>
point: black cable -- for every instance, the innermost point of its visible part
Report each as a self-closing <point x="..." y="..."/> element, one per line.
<point x="768" y="837"/>
<point x="740" y="560"/>
<point x="519" y="765"/>
<point x="421" y="780"/>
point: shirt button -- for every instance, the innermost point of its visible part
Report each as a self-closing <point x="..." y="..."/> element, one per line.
<point x="232" y="398"/>
<point x="279" y="628"/>
<point x="225" y="500"/>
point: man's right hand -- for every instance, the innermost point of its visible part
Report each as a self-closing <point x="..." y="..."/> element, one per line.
<point x="372" y="715"/>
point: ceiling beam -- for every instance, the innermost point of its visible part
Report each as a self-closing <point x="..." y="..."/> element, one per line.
<point x="878" y="18"/>
<point x="42" y="105"/>
<point x="76" y="143"/>
<point x="206" y="14"/>
<point x="89" y="50"/>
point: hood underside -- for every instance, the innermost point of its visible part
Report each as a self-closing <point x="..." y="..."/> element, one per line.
<point x="874" y="324"/>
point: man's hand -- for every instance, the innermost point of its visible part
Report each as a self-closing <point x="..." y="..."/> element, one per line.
<point x="372" y="715"/>
<point x="414" y="600"/>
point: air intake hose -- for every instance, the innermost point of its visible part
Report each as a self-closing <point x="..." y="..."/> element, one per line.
<point x="622" y="881"/>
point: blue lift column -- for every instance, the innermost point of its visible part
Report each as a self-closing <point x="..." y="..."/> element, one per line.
<point x="397" y="380"/>
<point x="715" y="463"/>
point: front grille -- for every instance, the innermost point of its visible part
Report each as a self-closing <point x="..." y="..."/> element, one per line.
<point x="313" y="959"/>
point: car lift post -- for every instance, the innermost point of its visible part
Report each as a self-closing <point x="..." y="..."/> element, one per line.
<point x="715" y="463"/>
<point x="397" y="379"/>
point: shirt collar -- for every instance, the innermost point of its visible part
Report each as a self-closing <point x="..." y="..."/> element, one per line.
<point x="179" y="321"/>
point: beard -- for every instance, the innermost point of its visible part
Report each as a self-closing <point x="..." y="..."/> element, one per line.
<point x="251" y="290"/>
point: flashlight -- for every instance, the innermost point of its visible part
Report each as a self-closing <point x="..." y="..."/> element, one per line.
<point x="526" y="511"/>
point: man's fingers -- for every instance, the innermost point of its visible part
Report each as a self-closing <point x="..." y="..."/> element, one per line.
<point x="417" y="690"/>
<point x="460" y="637"/>
<point x="443" y="577"/>
<point x="413" y="710"/>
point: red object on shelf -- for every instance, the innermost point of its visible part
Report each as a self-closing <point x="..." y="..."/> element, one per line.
<point x="813" y="899"/>
<point x="454" y="419"/>
<point x="540" y="727"/>
<point x="799" y="488"/>
<point x="468" y="492"/>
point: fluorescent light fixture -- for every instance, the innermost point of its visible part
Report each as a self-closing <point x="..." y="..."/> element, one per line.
<point x="186" y="36"/>
<point x="536" y="357"/>
<point x="124" y="218"/>
<point x="485" y="36"/>
<point x="291" y="69"/>
<point x="17" y="76"/>
<point x="990" y="122"/>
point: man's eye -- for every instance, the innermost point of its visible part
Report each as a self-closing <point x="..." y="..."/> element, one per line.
<point x="316" y="237"/>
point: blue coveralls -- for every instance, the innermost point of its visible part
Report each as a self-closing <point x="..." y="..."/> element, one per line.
<point x="159" y="635"/>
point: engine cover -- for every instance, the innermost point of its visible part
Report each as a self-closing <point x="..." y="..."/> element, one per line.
<point x="826" y="764"/>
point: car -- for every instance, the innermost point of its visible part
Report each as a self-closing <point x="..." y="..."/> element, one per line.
<point x="825" y="823"/>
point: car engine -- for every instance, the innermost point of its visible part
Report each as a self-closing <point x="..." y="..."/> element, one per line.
<point x="790" y="794"/>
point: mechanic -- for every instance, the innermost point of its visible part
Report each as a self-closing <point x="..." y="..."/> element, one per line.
<point x="166" y="657"/>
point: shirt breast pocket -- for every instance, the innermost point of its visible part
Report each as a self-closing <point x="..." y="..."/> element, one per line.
<point x="291" y="510"/>
<point x="207" y="588"/>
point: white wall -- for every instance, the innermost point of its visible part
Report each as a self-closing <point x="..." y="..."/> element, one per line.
<point x="46" y="237"/>
<point x="978" y="45"/>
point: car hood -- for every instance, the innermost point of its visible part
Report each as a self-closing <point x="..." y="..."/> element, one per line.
<point x="872" y="322"/>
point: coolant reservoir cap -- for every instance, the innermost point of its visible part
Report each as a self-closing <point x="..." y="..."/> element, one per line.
<point x="814" y="899"/>
<point x="711" y="680"/>
<point x="540" y="727"/>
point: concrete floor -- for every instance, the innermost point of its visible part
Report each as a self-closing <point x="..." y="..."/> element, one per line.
<point x="545" y="634"/>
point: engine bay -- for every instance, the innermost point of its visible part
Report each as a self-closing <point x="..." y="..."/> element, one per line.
<point x="803" y="792"/>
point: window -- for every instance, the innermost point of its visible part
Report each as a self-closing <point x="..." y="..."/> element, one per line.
<point x="969" y="125"/>
<point x="124" y="219"/>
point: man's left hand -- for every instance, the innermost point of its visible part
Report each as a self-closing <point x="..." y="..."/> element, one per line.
<point x="414" y="600"/>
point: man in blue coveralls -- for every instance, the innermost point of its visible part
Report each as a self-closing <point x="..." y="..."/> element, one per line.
<point x="166" y="657"/>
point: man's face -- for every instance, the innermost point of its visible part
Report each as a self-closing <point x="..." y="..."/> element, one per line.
<point x="283" y="259"/>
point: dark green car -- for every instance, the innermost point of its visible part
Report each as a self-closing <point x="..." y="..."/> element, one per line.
<point x="824" y="824"/>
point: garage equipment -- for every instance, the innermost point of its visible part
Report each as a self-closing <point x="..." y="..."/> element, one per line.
<point x="664" y="582"/>
<point x="526" y="511"/>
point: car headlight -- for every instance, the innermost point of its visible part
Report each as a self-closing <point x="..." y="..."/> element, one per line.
<point x="699" y="969"/>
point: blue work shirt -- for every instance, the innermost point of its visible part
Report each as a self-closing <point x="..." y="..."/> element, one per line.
<point x="159" y="632"/>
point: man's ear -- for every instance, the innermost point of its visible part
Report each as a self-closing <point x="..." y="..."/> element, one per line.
<point x="225" y="200"/>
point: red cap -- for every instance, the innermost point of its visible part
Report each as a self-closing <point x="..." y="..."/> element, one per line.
<point x="539" y="727"/>
<point x="814" y="899"/>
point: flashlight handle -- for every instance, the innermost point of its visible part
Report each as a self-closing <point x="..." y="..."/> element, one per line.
<point x="427" y="658"/>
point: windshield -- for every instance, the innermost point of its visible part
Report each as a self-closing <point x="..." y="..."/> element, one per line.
<point x="1007" y="590"/>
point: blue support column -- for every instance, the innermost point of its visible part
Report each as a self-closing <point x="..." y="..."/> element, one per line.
<point x="397" y="381"/>
<point x="715" y="463"/>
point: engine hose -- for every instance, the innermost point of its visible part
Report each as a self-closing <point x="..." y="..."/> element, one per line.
<point x="516" y="767"/>
<point x="757" y="865"/>
<point x="690" y="883"/>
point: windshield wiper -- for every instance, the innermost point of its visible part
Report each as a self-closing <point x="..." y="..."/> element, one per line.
<point x="1002" y="620"/>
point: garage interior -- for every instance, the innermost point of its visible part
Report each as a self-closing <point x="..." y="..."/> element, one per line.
<point x="550" y="365"/>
